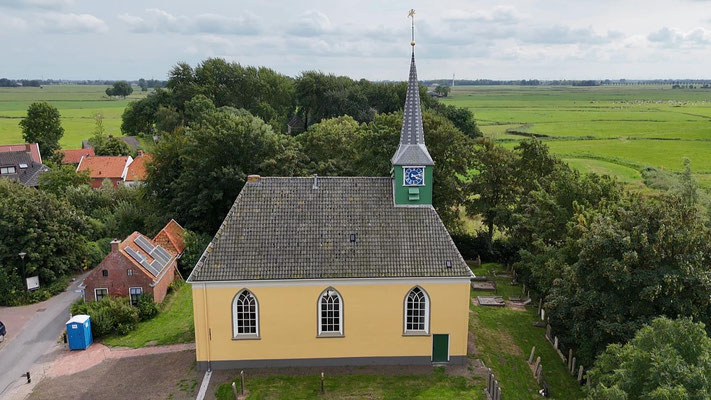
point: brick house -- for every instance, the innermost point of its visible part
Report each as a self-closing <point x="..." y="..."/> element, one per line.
<point x="138" y="265"/>
<point x="137" y="172"/>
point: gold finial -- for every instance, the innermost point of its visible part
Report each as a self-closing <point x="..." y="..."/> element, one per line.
<point x="411" y="14"/>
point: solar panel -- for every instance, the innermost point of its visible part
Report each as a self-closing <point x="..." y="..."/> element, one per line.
<point x="23" y="166"/>
<point x="136" y="256"/>
<point x="144" y="244"/>
<point x="159" y="253"/>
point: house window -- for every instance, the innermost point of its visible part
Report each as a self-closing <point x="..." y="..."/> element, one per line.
<point x="417" y="311"/>
<point x="7" y="170"/>
<point x="104" y="272"/>
<point x="129" y="272"/>
<point x="100" y="293"/>
<point x="134" y="293"/>
<point x="245" y="315"/>
<point x="330" y="311"/>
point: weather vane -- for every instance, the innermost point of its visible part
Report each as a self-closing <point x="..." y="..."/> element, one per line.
<point x="411" y="14"/>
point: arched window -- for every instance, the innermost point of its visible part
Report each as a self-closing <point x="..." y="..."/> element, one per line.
<point x="245" y="315"/>
<point x="417" y="311"/>
<point x="330" y="311"/>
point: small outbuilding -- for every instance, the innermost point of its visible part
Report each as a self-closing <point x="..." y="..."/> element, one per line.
<point x="79" y="332"/>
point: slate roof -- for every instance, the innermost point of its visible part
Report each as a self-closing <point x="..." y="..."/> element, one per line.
<point x="412" y="150"/>
<point x="283" y="228"/>
<point x="28" y="176"/>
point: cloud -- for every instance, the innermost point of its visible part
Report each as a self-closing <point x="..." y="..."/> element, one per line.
<point x="72" y="23"/>
<point x="675" y="38"/>
<point x="44" y="4"/>
<point x="11" y="23"/>
<point x="311" y="23"/>
<point x="499" y="15"/>
<point x="560" y="34"/>
<point x="157" y="20"/>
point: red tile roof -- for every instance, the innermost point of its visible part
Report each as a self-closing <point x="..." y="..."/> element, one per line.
<point x="137" y="169"/>
<point x="73" y="156"/>
<point x="101" y="167"/>
<point x="172" y="237"/>
<point x="32" y="148"/>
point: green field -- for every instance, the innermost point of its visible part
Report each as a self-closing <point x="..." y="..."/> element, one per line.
<point x="77" y="104"/>
<point x="616" y="130"/>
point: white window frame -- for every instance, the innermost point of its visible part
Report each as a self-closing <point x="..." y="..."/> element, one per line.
<point x="129" y="295"/>
<point x="96" y="297"/>
<point x="235" y="334"/>
<point x="340" y="333"/>
<point x="129" y="272"/>
<point x="424" y="172"/>
<point x="416" y="332"/>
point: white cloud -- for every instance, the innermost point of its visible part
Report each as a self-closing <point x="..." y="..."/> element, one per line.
<point x="11" y="23"/>
<point x="72" y="23"/>
<point x="311" y="23"/>
<point x="559" y="34"/>
<point x="676" y="38"/>
<point x="157" y="20"/>
<point x="498" y="14"/>
<point x="45" y="4"/>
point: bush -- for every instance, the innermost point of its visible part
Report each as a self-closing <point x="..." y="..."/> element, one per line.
<point x="471" y="246"/>
<point x="111" y="315"/>
<point x="147" y="308"/>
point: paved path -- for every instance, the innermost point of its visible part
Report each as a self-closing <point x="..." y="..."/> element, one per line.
<point x="33" y="333"/>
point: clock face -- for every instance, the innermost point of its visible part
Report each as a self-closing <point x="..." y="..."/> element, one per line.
<point x="414" y="176"/>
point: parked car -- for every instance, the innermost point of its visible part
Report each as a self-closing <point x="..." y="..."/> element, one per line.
<point x="2" y="331"/>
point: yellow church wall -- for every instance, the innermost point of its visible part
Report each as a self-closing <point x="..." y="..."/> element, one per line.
<point x="372" y="314"/>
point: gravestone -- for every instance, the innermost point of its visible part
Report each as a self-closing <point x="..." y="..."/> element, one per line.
<point x="533" y="351"/>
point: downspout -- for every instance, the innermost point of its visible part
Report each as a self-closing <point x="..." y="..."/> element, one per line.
<point x="207" y="325"/>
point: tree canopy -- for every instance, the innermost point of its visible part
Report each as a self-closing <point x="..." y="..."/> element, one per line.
<point x="42" y="125"/>
<point x="667" y="359"/>
<point x="120" y="88"/>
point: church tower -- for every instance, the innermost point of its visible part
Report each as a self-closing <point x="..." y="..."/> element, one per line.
<point x="412" y="163"/>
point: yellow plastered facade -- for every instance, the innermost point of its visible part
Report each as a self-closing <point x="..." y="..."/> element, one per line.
<point x="372" y="313"/>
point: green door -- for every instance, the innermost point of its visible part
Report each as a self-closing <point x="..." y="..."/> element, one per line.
<point x="440" y="348"/>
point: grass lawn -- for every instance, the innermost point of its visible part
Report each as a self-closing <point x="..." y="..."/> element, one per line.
<point x="77" y="105"/>
<point x="504" y="338"/>
<point x="437" y="385"/>
<point x="173" y="324"/>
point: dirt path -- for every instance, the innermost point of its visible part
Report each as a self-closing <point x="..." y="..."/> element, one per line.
<point x="152" y="376"/>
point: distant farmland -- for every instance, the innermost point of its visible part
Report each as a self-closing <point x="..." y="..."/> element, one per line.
<point x="77" y="104"/>
<point x="616" y="130"/>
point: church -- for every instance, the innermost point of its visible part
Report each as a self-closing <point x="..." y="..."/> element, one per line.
<point x="330" y="271"/>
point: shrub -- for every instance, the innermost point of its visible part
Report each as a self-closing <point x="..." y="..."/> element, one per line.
<point x="111" y="315"/>
<point x="147" y="308"/>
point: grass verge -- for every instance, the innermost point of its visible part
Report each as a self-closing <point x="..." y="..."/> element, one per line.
<point x="173" y="324"/>
<point x="504" y="338"/>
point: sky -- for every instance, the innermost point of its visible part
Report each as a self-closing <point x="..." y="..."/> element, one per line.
<point x="522" y="39"/>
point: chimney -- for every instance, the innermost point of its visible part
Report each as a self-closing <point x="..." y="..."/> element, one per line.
<point x="115" y="245"/>
<point x="253" y="178"/>
<point x="140" y="153"/>
<point x="28" y="147"/>
<point x="111" y="136"/>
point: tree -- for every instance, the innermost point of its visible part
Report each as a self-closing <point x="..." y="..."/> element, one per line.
<point x="60" y="177"/>
<point x="625" y="264"/>
<point x="195" y="245"/>
<point x="42" y="125"/>
<point x="140" y="116"/>
<point x="113" y="147"/>
<point x="120" y="88"/>
<point x="442" y="90"/>
<point x="492" y="186"/>
<point x="667" y="359"/>
<point x="143" y="85"/>
<point x="329" y="145"/>
<point x="47" y="229"/>
<point x="196" y="176"/>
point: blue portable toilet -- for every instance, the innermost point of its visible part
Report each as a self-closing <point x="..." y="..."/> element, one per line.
<point x="79" y="332"/>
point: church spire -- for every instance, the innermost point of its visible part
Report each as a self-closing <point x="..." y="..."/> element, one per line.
<point x="412" y="149"/>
